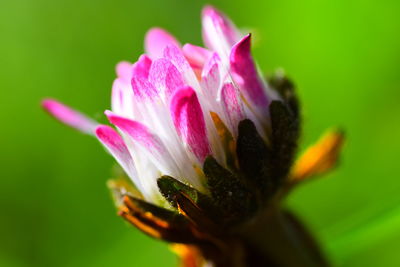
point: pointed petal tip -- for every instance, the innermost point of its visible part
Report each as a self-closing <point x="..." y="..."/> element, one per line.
<point x="69" y="116"/>
<point x="243" y="45"/>
<point x="245" y="73"/>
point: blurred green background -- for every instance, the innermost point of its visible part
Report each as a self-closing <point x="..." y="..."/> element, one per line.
<point x="344" y="56"/>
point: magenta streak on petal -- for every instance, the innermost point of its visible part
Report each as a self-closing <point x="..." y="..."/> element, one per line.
<point x="245" y="73"/>
<point x="175" y="55"/>
<point x="173" y="81"/>
<point x="189" y="122"/>
<point x="196" y="55"/>
<point x="211" y="81"/>
<point x="69" y="116"/>
<point x="141" y="68"/>
<point x="211" y="76"/>
<point x="138" y="132"/>
<point x="143" y="89"/>
<point x="112" y="140"/>
<point x="156" y="40"/>
<point x="232" y="105"/>
<point x="118" y="95"/>
<point x="164" y="74"/>
<point x="220" y="24"/>
<point x="116" y="146"/>
<point x="210" y="63"/>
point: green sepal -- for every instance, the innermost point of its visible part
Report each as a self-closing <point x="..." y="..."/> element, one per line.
<point x="235" y="200"/>
<point x="254" y="158"/>
<point x="285" y="134"/>
<point x="286" y="89"/>
<point x="170" y="188"/>
<point x="168" y="215"/>
<point x="119" y="190"/>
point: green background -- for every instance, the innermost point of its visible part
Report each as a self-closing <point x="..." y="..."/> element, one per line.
<point x="344" y="56"/>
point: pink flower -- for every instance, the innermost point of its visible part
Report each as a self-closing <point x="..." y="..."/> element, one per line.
<point x="164" y="106"/>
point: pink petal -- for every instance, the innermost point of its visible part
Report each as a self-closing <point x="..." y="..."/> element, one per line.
<point x="232" y="105"/>
<point x="218" y="29"/>
<point x="143" y="89"/>
<point x="69" y="116"/>
<point x="138" y="132"/>
<point x="213" y="60"/>
<point x="165" y="76"/>
<point x="211" y="80"/>
<point x="122" y="97"/>
<point x="156" y="40"/>
<point x="124" y="70"/>
<point x="196" y="55"/>
<point x="245" y="73"/>
<point x="116" y="146"/>
<point x="189" y="122"/>
<point x="175" y="55"/>
<point x="117" y="95"/>
<point x="173" y="81"/>
<point x="141" y="68"/>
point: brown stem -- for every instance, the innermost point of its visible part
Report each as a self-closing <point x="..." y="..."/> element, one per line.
<point x="281" y="240"/>
<point x="274" y="238"/>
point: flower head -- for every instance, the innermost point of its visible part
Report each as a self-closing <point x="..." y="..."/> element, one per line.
<point x="209" y="145"/>
<point x="171" y="105"/>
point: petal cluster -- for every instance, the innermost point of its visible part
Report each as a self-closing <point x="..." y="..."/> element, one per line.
<point x="169" y="107"/>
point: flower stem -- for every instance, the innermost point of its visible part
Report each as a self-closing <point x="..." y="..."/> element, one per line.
<point x="274" y="238"/>
<point x="280" y="239"/>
